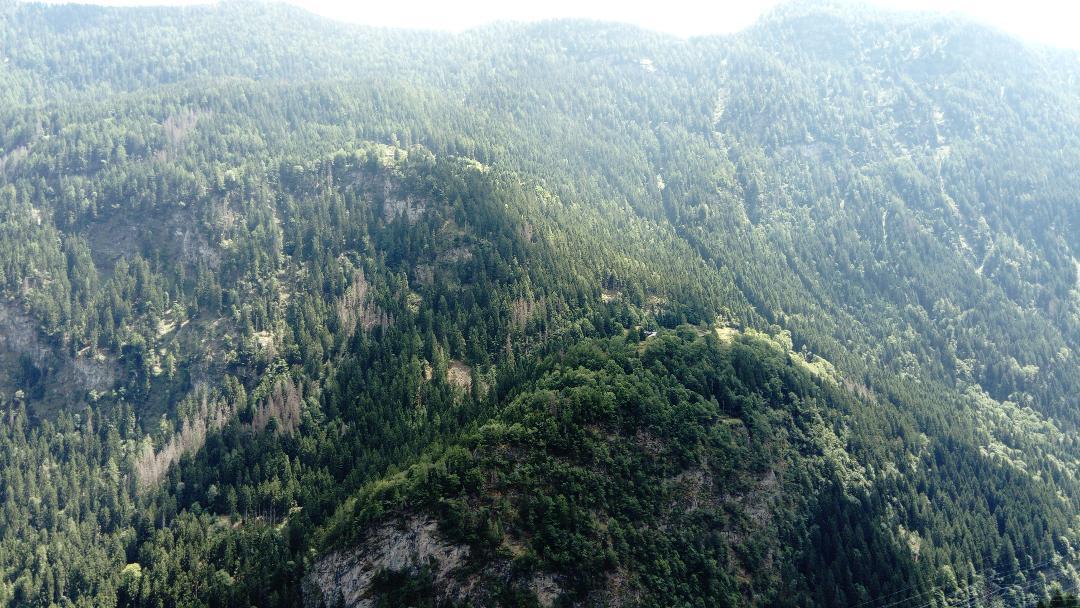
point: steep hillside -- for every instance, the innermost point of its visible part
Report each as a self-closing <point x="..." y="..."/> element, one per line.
<point x="287" y="306"/>
<point x="679" y="470"/>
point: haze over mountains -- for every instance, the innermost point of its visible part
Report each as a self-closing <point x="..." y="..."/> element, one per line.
<point x="569" y="313"/>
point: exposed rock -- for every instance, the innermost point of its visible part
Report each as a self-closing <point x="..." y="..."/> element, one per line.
<point x="347" y="576"/>
<point x="424" y="274"/>
<point x="96" y="372"/>
<point x="409" y="206"/>
<point x="546" y="588"/>
<point x="456" y="255"/>
<point x="460" y="375"/>
<point x="19" y="334"/>
<point x="68" y="377"/>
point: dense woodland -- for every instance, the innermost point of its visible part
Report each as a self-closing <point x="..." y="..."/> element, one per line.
<point x="784" y="318"/>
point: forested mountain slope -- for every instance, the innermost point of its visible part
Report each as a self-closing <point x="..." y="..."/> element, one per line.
<point x="289" y="306"/>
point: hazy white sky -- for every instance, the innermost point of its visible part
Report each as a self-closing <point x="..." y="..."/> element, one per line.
<point x="1055" y="22"/>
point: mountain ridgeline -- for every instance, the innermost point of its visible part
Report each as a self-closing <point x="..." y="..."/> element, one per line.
<point x="298" y="313"/>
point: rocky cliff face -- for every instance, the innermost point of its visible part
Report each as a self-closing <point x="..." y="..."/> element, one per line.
<point x="413" y="546"/>
<point x="347" y="577"/>
<point x="29" y="364"/>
